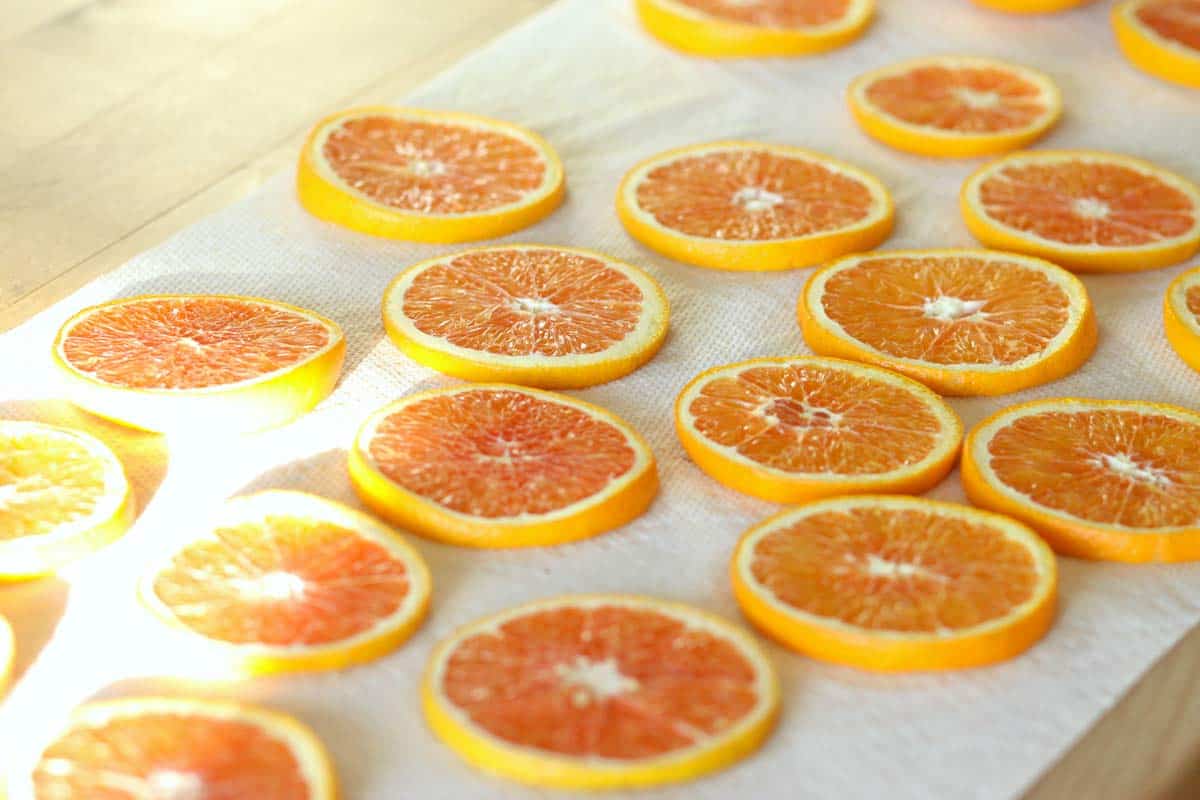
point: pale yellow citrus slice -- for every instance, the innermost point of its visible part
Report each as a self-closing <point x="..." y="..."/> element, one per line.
<point x="601" y="692"/>
<point x="1161" y="37"/>
<point x="963" y="322"/>
<point x="755" y="28"/>
<point x="1102" y="479"/>
<point x="753" y="206"/>
<point x="795" y="429"/>
<point x="207" y="364"/>
<point x="286" y="582"/>
<point x="552" y="317"/>
<point x="955" y="106"/>
<point x="896" y="583"/>
<point x="427" y="176"/>
<point x="499" y="465"/>
<point x="63" y="495"/>
<point x="1181" y="314"/>
<point x="160" y="747"/>
<point x="1086" y="211"/>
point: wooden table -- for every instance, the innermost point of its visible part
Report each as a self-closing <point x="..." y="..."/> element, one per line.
<point x="123" y="121"/>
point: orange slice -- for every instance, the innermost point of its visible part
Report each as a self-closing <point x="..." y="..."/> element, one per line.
<point x="1032" y="6"/>
<point x="795" y="429"/>
<point x="755" y="28"/>
<point x="286" y="582"/>
<point x="955" y="106"/>
<point x="497" y="465"/>
<point x="601" y="692"/>
<point x="63" y="495"/>
<point x="1161" y="37"/>
<point x="8" y="649"/>
<point x="427" y="176"/>
<point x="1101" y="479"/>
<point x="750" y="206"/>
<point x="554" y="317"/>
<point x="963" y="322"/>
<point x="1182" y="316"/>
<point x="1087" y="211"/>
<point x="896" y="583"/>
<point x="158" y="747"/>
<point x="200" y="363"/>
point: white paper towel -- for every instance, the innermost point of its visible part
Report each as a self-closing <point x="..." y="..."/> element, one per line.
<point x="606" y="95"/>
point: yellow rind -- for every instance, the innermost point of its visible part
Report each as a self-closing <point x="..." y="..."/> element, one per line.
<point x="1164" y="60"/>
<point x="882" y="653"/>
<point x="481" y="369"/>
<point x="8" y="652"/>
<point x="779" y="254"/>
<point x="1031" y="6"/>
<point x="698" y="35"/>
<point x="415" y="513"/>
<point x="531" y="767"/>
<point x="274" y="400"/>
<point x="333" y="203"/>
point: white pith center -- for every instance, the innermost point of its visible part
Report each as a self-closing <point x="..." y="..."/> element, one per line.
<point x="1126" y="467"/>
<point x="1090" y="208"/>
<point x="798" y="412"/>
<point x="190" y="344"/>
<point x="534" y="305"/>
<point x="425" y="169"/>
<point x="595" y="680"/>
<point x="167" y="784"/>
<point x="882" y="568"/>
<point x="272" y="586"/>
<point x="977" y="100"/>
<point x="949" y="309"/>
<point x="752" y="198"/>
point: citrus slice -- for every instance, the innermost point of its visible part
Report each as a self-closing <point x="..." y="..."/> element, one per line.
<point x="63" y="494"/>
<point x="955" y="106"/>
<point x="427" y="176"/>
<point x="1100" y="479"/>
<point x="1161" y="37"/>
<point x="963" y="322"/>
<point x="286" y="581"/>
<point x="498" y="465"/>
<point x="8" y="649"/>
<point x="158" y="747"/>
<point x="795" y="429"/>
<point x="601" y="692"/>
<point x="755" y="28"/>
<point x="205" y="363"/>
<point x="1182" y="317"/>
<point x="896" y="583"/>
<point x="553" y="317"/>
<point x="750" y="206"/>
<point x="1087" y="211"/>
<point x="1032" y="6"/>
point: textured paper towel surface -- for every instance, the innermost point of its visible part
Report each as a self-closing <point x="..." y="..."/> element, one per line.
<point x="606" y="95"/>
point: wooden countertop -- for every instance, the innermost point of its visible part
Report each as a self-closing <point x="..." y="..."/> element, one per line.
<point x="89" y="177"/>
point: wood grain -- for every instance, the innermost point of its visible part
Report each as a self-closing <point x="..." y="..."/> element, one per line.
<point x="126" y="120"/>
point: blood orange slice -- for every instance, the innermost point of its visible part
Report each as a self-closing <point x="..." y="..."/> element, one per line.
<point x="795" y="429"/>
<point x="1100" y="479"/>
<point x="285" y="581"/>
<point x="755" y="28"/>
<point x="955" y="106"/>
<point x="427" y="176"/>
<point x="63" y="494"/>
<point x="206" y="363"/>
<point x="158" y="747"/>
<point x="750" y="206"/>
<point x="601" y="692"/>
<point x="1182" y="316"/>
<point x="962" y="322"/>
<point x="499" y="465"/>
<point x="896" y="583"/>
<point x="1161" y="37"/>
<point x="1091" y="212"/>
<point x="553" y="317"/>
